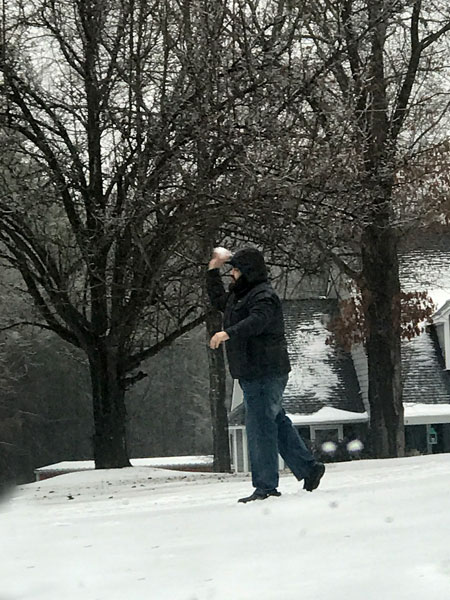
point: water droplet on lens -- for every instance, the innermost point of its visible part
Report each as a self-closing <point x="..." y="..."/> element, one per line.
<point x="329" y="447"/>
<point x="355" y="446"/>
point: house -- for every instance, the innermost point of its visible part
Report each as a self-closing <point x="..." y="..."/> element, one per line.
<point x="327" y="394"/>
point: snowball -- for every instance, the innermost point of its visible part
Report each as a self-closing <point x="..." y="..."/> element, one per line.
<point x="222" y="253"/>
<point x="329" y="447"/>
<point x="355" y="446"/>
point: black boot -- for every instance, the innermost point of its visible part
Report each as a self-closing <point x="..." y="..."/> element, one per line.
<point x="312" y="481"/>
<point x="260" y="495"/>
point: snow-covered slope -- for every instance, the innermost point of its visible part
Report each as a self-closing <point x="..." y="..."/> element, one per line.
<point x="374" y="530"/>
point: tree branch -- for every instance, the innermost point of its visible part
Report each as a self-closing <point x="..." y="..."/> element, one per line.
<point x="404" y="94"/>
<point x="135" y="360"/>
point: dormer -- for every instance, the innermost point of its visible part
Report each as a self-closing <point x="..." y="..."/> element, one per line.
<point x="441" y="320"/>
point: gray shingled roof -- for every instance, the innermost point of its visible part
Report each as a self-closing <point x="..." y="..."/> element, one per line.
<point x="321" y="375"/>
<point x="426" y="265"/>
<point x="425" y="380"/>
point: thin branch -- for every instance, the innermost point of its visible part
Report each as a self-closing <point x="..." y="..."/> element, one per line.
<point x="135" y="360"/>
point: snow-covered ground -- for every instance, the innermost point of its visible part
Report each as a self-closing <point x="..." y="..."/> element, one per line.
<point x="374" y="530"/>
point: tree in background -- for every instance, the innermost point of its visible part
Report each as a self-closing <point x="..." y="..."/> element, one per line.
<point x="98" y="106"/>
<point x="354" y="156"/>
<point x="385" y="102"/>
<point x="127" y="119"/>
<point x="154" y="131"/>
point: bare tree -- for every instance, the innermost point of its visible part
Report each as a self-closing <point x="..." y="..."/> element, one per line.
<point x="101" y="110"/>
<point x="130" y="120"/>
<point x="380" y="109"/>
<point x="145" y="132"/>
<point x="351" y="155"/>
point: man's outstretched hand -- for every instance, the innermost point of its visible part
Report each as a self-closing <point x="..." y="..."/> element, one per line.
<point x="217" y="339"/>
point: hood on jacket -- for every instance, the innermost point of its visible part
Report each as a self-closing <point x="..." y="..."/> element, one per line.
<point x="251" y="264"/>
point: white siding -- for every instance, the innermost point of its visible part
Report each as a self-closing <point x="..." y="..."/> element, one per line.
<point x="440" y="334"/>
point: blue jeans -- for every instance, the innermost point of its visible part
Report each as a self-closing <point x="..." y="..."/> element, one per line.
<point x="270" y="432"/>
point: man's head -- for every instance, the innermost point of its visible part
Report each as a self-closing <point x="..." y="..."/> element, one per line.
<point x="250" y="263"/>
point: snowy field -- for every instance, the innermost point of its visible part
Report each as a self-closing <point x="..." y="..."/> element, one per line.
<point x="374" y="530"/>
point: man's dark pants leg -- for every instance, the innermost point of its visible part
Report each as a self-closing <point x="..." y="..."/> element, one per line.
<point x="270" y="431"/>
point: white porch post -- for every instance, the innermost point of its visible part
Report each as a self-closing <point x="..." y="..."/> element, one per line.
<point x="234" y="448"/>
<point x="245" y="463"/>
<point x="235" y="451"/>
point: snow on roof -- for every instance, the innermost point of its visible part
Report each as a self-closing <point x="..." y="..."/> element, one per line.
<point x="322" y="375"/>
<point x="427" y="269"/>
<point x="419" y="414"/>
<point x="415" y="413"/>
<point x="327" y="414"/>
<point x="311" y="372"/>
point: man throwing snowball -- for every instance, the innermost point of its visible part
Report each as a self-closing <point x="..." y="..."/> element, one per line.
<point x="253" y="332"/>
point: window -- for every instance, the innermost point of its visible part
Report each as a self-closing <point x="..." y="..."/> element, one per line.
<point x="326" y="433"/>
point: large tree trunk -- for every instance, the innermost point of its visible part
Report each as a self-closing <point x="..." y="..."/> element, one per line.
<point x="381" y="285"/>
<point x="217" y="397"/>
<point x="108" y="395"/>
<point x="381" y="300"/>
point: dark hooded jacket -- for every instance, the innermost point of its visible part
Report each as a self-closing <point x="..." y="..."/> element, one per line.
<point x="252" y="317"/>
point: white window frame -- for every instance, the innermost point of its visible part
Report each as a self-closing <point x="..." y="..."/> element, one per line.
<point x="339" y="427"/>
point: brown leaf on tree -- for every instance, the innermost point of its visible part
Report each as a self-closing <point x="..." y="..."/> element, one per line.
<point x="349" y="327"/>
